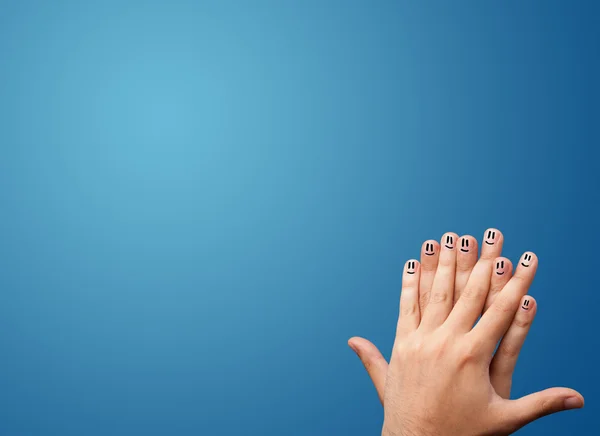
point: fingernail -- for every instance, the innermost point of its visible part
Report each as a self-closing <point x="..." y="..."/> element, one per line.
<point x="500" y="267"/>
<point x="573" y="403"/>
<point x="465" y="245"/>
<point x="410" y="267"/>
<point x="490" y="237"/>
<point x="449" y="243"/>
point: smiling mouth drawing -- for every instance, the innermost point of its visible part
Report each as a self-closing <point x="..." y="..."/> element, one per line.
<point x="410" y="272"/>
<point x="500" y="273"/>
<point x="464" y="251"/>
<point x="448" y="247"/>
<point x="489" y="243"/>
<point x="429" y="254"/>
<point x="526" y="266"/>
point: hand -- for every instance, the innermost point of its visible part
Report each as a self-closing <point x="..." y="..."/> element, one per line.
<point x="505" y="359"/>
<point x="439" y="381"/>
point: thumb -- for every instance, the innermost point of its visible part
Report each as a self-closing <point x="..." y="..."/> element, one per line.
<point x="534" y="406"/>
<point x="374" y="362"/>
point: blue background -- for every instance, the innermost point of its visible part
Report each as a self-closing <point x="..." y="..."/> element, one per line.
<point x="201" y="201"/>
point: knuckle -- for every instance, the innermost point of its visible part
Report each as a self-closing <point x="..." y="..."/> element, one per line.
<point x="435" y="347"/>
<point x="429" y="266"/>
<point x="445" y="263"/>
<point x="502" y="306"/>
<point x="519" y="280"/>
<point x="509" y="350"/>
<point x="439" y="297"/>
<point x="400" y="349"/>
<point x="417" y="346"/>
<point x="409" y="350"/>
<point x="408" y="309"/>
<point x="487" y="255"/>
<point x="372" y="362"/>
<point x="368" y="364"/>
<point x="468" y="295"/>
<point x="464" y="265"/>
<point x="522" y="323"/>
<point x="545" y="406"/>
<point x="468" y="354"/>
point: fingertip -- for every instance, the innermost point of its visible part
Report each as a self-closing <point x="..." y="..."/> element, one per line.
<point x="468" y="245"/>
<point x="491" y="244"/>
<point x="502" y="267"/>
<point x="572" y="393"/>
<point x="430" y="247"/>
<point x="411" y="266"/>
<point x="429" y="242"/>
<point x="355" y="340"/>
<point x="573" y="403"/>
<point x="362" y="346"/>
<point x="449" y="240"/>
<point x="528" y="305"/>
<point x="492" y="236"/>
<point x="352" y="345"/>
<point x="528" y="259"/>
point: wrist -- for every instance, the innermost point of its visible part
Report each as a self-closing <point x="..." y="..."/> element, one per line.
<point x="405" y="429"/>
<point x="404" y="432"/>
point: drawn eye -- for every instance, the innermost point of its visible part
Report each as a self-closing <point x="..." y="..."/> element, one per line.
<point x="410" y="267"/>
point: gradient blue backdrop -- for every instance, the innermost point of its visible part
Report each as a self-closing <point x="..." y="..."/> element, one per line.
<point x="200" y="201"/>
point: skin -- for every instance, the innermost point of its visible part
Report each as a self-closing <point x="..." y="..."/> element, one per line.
<point x="444" y="377"/>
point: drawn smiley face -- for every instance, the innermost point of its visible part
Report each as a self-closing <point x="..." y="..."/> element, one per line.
<point x="526" y="261"/>
<point x="490" y="238"/>
<point x="429" y="249"/>
<point x="411" y="267"/>
<point x="464" y="245"/>
<point x="500" y="270"/>
<point x="449" y="242"/>
<point x="525" y="305"/>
